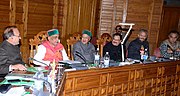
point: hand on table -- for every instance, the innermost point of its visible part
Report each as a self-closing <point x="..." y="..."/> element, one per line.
<point x="18" y="67"/>
<point x="169" y="51"/>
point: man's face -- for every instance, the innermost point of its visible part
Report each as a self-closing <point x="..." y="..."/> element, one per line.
<point x="173" y="37"/>
<point x="53" y="39"/>
<point x="142" y="36"/>
<point x="85" y="39"/>
<point x="16" y="38"/>
<point x="118" y="30"/>
<point x="116" y="40"/>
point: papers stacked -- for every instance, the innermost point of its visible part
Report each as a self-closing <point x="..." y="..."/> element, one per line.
<point x="69" y="62"/>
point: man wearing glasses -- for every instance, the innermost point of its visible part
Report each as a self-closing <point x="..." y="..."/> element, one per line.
<point x="50" y="50"/>
<point x="114" y="48"/>
<point x="10" y="56"/>
<point x="171" y="46"/>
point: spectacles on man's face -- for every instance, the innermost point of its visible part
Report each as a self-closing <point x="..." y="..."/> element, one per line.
<point x="17" y="36"/>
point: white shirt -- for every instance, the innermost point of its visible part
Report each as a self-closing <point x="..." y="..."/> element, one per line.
<point x="41" y="53"/>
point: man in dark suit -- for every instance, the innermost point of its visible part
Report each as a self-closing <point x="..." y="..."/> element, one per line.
<point x="10" y="57"/>
<point x="138" y="46"/>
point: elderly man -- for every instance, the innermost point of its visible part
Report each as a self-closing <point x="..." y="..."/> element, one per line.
<point x="137" y="47"/>
<point x="171" y="47"/>
<point x="84" y="50"/>
<point x="10" y="57"/>
<point x="50" y="50"/>
<point x="114" y="48"/>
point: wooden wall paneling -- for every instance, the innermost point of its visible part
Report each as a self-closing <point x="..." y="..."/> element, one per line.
<point x="80" y="15"/>
<point x="64" y="19"/>
<point x="111" y="14"/>
<point x="4" y="15"/>
<point x="12" y="14"/>
<point x="40" y="16"/>
<point x="154" y="24"/>
<point x="106" y="16"/>
<point x="25" y="17"/>
<point x="55" y="13"/>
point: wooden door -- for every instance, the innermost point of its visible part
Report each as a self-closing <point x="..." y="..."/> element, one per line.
<point x="170" y="21"/>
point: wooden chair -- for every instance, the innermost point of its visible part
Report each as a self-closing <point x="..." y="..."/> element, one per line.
<point x="34" y="42"/>
<point x="107" y="37"/>
<point x="101" y="42"/>
<point x="70" y="42"/>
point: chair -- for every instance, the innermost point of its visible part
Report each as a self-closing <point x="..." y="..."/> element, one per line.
<point x="70" y="42"/>
<point x="107" y="37"/>
<point x="101" y="42"/>
<point x="34" y="42"/>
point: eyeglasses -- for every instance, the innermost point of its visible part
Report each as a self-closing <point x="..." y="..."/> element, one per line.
<point x="116" y="39"/>
<point x="17" y="36"/>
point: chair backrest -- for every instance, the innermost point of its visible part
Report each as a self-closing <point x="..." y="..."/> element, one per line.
<point x="34" y="42"/>
<point x="105" y="38"/>
<point x="70" y="42"/>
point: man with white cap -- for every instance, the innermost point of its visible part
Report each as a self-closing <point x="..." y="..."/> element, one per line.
<point x="84" y="50"/>
<point x="50" y="50"/>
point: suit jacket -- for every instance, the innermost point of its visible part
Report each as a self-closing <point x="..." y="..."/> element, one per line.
<point x="9" y="55"/>
<point x="115" y="52"/>
<point x="134" y="48"/>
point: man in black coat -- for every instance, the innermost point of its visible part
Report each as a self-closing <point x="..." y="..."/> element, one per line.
<point x="10" y="57"/>
<point x="114" y="48"/>
<point x="134" y="48"/>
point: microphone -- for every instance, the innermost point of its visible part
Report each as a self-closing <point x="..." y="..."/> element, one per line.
<point x="38" y="61"/>
<point x="81" y="56"/>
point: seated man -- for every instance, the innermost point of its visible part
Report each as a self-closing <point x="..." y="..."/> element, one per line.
<point x="140" y="43"/>
<point x="83" y="50"/>
<point x="120" y="30"/>
<point x="114" y="48"/>
<point x="50" y="50"/>
<point x="10" y="57"/>
<point x="171" y="46"/>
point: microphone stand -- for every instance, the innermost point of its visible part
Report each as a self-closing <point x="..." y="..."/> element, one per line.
<point x="81" y="56"/>
<point x="38" y="61"/>
<point x="125" y="37"/>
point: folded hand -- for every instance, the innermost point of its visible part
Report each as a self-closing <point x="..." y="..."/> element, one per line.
<point x="18" y="67"/>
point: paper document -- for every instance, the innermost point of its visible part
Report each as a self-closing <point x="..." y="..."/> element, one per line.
<point x="14" y="91"/>
<point x="70" y="62"/>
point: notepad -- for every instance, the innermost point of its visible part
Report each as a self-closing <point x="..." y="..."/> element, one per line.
<point x="70" y="62"/>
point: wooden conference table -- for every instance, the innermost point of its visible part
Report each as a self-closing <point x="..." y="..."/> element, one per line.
<point x="152" y="79"/>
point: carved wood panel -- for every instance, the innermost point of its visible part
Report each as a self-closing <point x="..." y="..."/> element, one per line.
<point x="156" y="79"/>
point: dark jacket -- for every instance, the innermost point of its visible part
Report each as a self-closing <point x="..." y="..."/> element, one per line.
<point x="134" y="48"/>
<point x="9" y="55"/>
<point x="115" y="52"/>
